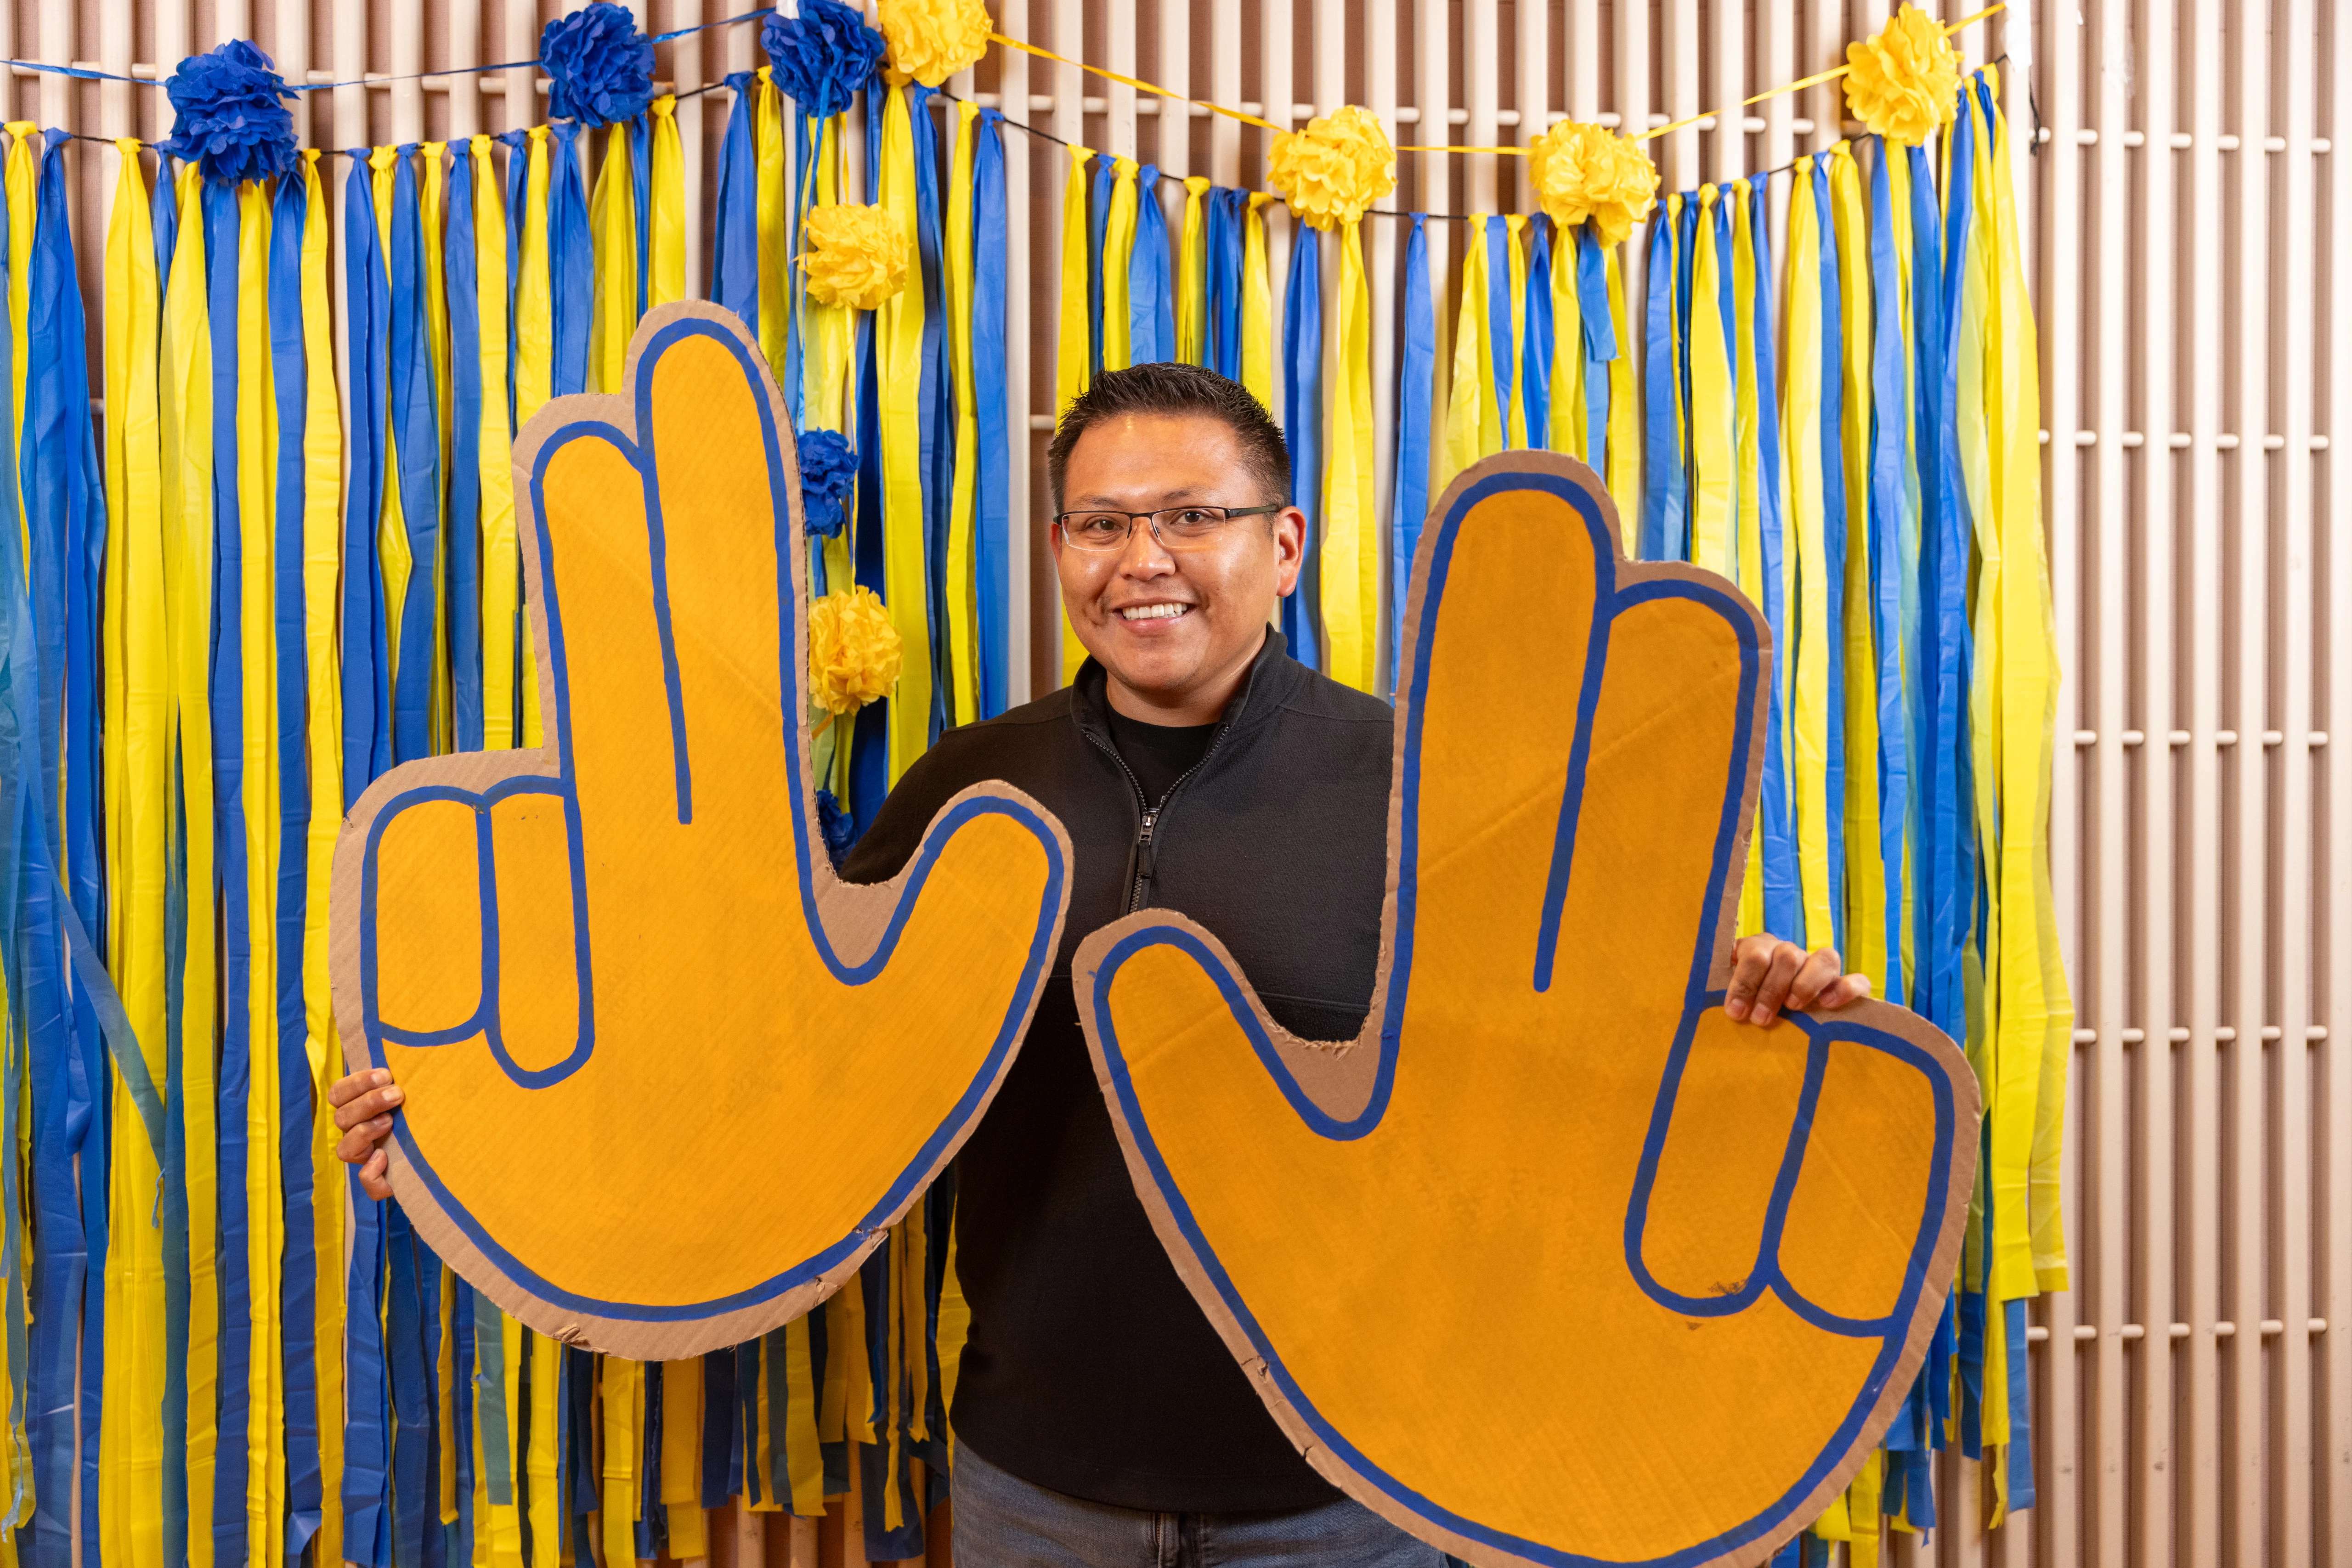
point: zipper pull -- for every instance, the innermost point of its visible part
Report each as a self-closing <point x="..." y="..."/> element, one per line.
<point x="1143" y="844"/>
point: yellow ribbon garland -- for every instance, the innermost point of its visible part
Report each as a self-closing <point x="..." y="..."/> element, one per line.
<point x="1351" y="528"/>
<point x="898" y="345"/>
<point x="963" y="631"/>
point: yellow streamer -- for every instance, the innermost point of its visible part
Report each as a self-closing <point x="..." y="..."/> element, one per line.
<point x="827" y="368"/>
<point x="963" y="640"/>
<point x="1801" y="426"/>
<point x="778" y="278"/>
<point x="1624" y="405"/>
<point x="501" y="558"/>
<point x="265" y="1471"/>
<point x="1193" y="277"/>
<point x="1568" y="432"/>
<point x="613" y="221"/>
<point x="622" y="1405"/>
<point x="546" y="1488"/>
<point x="1257" y="305"/>
<point x="187" y="568"/>
<point x="1470" y="422"/>
<point x="1748" y="545"/>
<point x="1714" y="483"/>
<point x="665" y="205"/>
<point x="1865" y="922"/>
<point x="1074" y="348"/>
<point x="138" y="762"/>
<point x="23" y="175"/>
<point x="1118" y="256"/>
<point x="681" y="1460"/>
<point x="323" y="525"/>
<point x="899" y="344"/>
<point x="1351" y="530"/>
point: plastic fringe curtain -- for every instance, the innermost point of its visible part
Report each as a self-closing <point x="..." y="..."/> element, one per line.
<point x="228" y="609"/>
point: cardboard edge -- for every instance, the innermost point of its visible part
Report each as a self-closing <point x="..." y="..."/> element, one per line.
<point x="1939" y="1270"/>
<point x="1943" y="1259"/>
<point x="853" y="916"/>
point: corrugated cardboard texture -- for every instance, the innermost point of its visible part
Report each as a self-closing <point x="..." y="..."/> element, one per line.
<point x="1554" y="1262"/>
<point x="667" y="1080"/>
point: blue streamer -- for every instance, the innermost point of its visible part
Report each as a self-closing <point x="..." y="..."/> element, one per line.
<point x="1302" y="425"/>
<point x="936" y="400"/>
<point x="1535" y="382"/>
<point x="1894" y="532"/>
<point x="735" y="256"/>
<point x="992" y="507"/>
<point x="465" y="596"/>
<point x="1416" y="402"/>
<point x="53" y="1054"/>
<point x="1151" y="305"/>
<point x="1665" y="507"/>
<point x="1097" y="229"/>
<point x="1503" y="343"/>
<point x="1224" y="241"/>
<point x="416" y="462"/>
<point x="290" y="381"/>
<point x="1601" y="345"/>
<point x="571" y="261"/>
<point x="1834" y="531"/>
<point x="1784" y="897"/>
<point x="221" y="230"/>
<point x="367" y="753"/>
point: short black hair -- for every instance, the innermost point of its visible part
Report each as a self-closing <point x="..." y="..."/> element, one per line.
<point x="1170" y="387"/>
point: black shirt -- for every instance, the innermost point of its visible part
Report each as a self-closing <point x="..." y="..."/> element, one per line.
<point x="1158" y="754"/>
<point x="1089" y="1368"/>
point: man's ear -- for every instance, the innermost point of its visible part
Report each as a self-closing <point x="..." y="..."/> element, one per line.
<point x="1289" y="549"/>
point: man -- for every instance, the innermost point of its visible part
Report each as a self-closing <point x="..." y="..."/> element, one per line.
<point x="1196" y="765"/>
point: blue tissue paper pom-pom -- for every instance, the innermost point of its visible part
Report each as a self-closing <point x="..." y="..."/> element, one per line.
<point x="230" y="115"/>
<point x="828" y="471"/>
<point x="840" y="832"/>
<point x="601" y="66"/>
<point x="822" y="56"/>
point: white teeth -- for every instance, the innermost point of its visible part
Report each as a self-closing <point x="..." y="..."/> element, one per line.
<point x="1153" y="611"/>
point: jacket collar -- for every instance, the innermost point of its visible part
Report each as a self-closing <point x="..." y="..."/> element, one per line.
<point x="1273" y="676"/>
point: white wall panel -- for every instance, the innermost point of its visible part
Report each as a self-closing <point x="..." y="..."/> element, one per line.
<point x="2186" y="213"/>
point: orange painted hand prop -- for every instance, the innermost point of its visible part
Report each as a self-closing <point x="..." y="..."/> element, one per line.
<point x="667" y="1081"/>
<point x="1554" y="1263"/>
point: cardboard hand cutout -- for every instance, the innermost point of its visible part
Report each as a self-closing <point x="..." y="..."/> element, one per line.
<point x="667" y="1081"/>
<point x="1553" y="1264"/>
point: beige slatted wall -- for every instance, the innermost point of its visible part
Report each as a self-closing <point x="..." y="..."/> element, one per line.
<point x="2188" y="213"/>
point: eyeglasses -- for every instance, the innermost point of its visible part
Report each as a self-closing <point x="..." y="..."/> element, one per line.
<point x="1176" y="527"/>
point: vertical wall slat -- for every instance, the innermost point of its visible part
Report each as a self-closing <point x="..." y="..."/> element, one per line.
<point x="1226" y="86"/>
<point x="2287" y="594"/>
<point x="1679" y="46"/>
<point x="1532" y="98"/>
<point x="1278" y="87"/>
<point x="2102" y="1286"/>
<point x="2152" y="1469"/>
<point x="686" y="71"/>
<point x="2057" y="1524"/>
<point x="1481" y="93"/>
<point x="2333" y="1180"/>
<point x="2247" y="895"/>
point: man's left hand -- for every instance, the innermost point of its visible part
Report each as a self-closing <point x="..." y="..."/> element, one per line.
<point x="1769" y="976"/>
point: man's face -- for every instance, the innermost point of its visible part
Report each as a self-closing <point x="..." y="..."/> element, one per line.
<point x="1167" y="623"/>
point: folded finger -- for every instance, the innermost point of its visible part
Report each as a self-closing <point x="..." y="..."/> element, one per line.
<point x="342" y="1091"/>
<point x="1749" y="962"/>
<point x="372" y="1175"/>
<point x="1772" y="993"/>
<point x="1819" y="971"/>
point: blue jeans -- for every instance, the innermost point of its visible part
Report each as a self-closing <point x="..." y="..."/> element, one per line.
<point x="1003" y="1522"/>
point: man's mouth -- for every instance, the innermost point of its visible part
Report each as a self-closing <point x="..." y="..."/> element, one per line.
<point x="1164" y="611"/>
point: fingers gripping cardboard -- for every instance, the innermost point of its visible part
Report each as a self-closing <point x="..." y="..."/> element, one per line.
<point x="667" y="1080"/>
<point x="1554" y="1263"/>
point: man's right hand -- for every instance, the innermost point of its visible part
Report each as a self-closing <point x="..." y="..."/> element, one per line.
<point x="364" y="1106"/>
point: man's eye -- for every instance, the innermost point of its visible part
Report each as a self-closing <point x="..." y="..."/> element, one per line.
<point x="1196" y="518"/>
<point x="1099" y="527"/>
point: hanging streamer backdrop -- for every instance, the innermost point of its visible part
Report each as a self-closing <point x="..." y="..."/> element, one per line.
<point x="249" y="589"/>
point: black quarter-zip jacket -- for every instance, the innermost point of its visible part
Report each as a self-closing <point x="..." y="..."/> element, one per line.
<point x="1089" y="1369"/>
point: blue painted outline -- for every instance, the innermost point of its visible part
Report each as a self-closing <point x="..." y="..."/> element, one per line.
<point x="484" y="1022"/>
<point x="1893" y="1331"/>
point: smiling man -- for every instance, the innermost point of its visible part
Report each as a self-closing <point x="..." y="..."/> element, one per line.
<point x="1100" y="1421"/>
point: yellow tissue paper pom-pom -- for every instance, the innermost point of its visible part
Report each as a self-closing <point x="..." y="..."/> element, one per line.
<point x="857" y="256"/>
<point x="931" y="40"/>
<point x="1331" y="172"/>
<point x="1589" y="172"/>
<point x="1904" y="83"/>
<point x="852" y="651"/>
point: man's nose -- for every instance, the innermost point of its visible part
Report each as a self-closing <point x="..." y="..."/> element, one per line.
<point x="1145" y="556"/>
